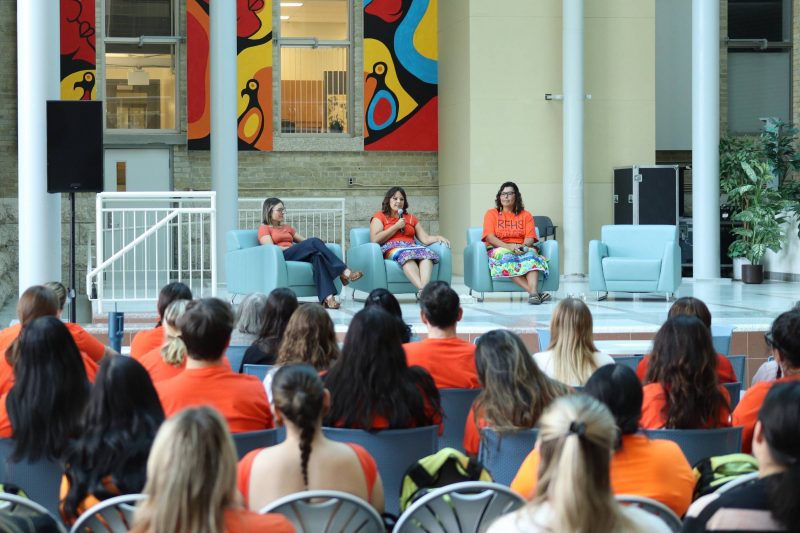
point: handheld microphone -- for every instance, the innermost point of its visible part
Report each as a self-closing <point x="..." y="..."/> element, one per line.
<point x="400" y="213"/>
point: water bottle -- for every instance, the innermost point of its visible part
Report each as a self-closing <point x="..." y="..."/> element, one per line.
<point x="116" y="328"/>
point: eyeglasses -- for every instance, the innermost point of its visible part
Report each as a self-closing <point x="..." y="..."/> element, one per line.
<point x="281" y="210"/>
<point x="507" y="194"/>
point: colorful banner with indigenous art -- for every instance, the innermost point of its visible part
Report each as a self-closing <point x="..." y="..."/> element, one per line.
<point x="78" y="55"/>
<point x="254" y="74"/>
<point x="401" y="75"/>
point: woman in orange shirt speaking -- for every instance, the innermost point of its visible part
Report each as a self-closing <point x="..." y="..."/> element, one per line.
<point x="298" y="248"/>
<point x="510" y="235"/>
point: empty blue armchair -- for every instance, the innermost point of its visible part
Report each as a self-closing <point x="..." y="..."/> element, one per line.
<point x="635" y="259"/>
<point x="476" y="267"/>
<point x="251" y="267"/>
<point x="383" y="273"/>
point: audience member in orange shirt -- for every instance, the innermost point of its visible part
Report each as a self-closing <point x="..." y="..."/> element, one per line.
<point x="42" y="410"/>
<point x="149" y="339"/>
<point x="86" y="342"/>
<point x="681" y="388"/>
<point x="208" y="380"/>
<point x="35" y="302"/>
<point x="783" y="339"/>
<point x="654" y="469"/>
<point x="191" y="480"/>
<point x="372" y="386"/>
<point x="515" y="392"/>
<point x="449" y="359"/>
<point x="168" y="360"/>
<point x="694" y="307"/>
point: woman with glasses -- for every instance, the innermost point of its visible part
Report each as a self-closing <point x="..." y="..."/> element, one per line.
<point x="510" y="236"/>
<point x="308" y="250"/>
<point x="783" y="341"/>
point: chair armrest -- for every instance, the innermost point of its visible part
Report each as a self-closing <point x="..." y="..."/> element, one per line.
<point x="670" y="278"/>
<point x="445" y="261"/>
<point x="368" y="259"/>
<point x="255" y="269"/>
<point x="550" y="250"/>
<point x="597" y="251"/>
<point x="476" y="267"/>
<point x="335" y="248"/>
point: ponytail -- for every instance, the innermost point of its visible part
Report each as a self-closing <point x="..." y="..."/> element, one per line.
<point x="174" y="350"/>
<point x="784" y="492"/>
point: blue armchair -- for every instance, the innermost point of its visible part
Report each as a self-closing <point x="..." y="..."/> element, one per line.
<point x="643" y="258"/>
<point x="378" y="272"/>
<point x="476" y="267"/>
<point x="251" y="267"/>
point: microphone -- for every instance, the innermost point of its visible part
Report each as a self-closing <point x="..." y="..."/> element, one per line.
<point x="400" y="213"/>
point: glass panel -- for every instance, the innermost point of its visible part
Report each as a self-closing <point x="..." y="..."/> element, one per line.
<point x="326" y="20"/>
<point x="759" y="86"/>
<point x="132" y="18"/>
<point x="314" y="90"/>
<point x="140" y="87"/>
<point x="756" y="19"/>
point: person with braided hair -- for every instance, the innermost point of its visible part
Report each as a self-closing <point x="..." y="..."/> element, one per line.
<point x="573" y="492"/>
<point x="299" y="403"/>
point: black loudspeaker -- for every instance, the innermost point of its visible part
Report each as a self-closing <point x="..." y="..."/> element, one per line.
<point x="74" y="146"/>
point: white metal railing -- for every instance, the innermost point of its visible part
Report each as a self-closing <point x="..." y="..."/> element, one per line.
<point x="148" y="239"/>
<point x="311" y="217"/>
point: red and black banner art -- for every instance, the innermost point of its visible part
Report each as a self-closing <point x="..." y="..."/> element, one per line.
<point x="78" y="56"/>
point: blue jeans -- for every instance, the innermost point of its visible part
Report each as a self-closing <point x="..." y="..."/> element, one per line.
<point x="325" y="264"/>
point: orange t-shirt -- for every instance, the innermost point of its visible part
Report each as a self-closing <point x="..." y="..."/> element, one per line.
<point x="240" y="398"/>
<point x="725" y="372"/>
<point x="450" y="361"/>
<point x="472" y="432"/>
<point x="242" y="521"/>
<point x="655" y="400"/>
<point x="282" y="235"/>
<point x="158" y="369"/>
<point x="509" y="227"/>
<point x="86" y="342"/>
<point x="404" y="235"/>
<point x="6" y="431"/>
<point x="746" y="413"/>
<point x="245" y="468"/>
<point x="146" y="340"/>
<point x="654" y="469"/>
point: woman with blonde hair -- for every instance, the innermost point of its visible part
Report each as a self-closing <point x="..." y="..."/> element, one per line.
<point x="169" y="359"/>
<point x="571" y="357"/>
<point x="191" y="481"/>
<point x="573" y="492"/>
<point x="514" y="391"/>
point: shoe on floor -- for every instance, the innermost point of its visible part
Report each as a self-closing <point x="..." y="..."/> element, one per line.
<point x="544" y="297"/>
<point x="534" y="299"/>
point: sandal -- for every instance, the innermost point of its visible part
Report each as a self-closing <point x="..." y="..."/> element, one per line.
<point x="355" y="275"/>
<point x="331" y="303"/>
<point x="419" y="294"/>
<point x="544" y="297"/>
<point x="534" y="299"/>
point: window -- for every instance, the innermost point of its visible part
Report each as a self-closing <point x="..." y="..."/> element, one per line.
<point x="140" y="64"/>
<point x="314" y="55"/>
<point x="759" y="63"/>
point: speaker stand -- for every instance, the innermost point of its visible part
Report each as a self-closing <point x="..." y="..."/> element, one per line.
<point x="71" y="292"/>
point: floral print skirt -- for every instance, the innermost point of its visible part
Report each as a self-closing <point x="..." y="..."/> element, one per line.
<point x="402" y="251"/>
<point x="503" y="263"/>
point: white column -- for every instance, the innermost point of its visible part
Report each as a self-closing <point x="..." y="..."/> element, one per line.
<point x="37" y="81"/>
<point x="573" y="136"/>
<point x="224" y="143"/>
<point x="705" y="137"/>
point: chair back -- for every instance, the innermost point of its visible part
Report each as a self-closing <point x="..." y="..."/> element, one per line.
<point x="544" y="227"/>
<point x="40" y="480"/>
<point x="394" y="451"/>
<point x="503" y="454"/>
<point x="653" y="507"/>
<point x="239" y="239"/>
<point x="456" y="404"/>
<point x="114" y="515"/>
<point x="544" y="338"/>
<point x="253" y="440"/>
<point x="39" y="517"/>
<point x="631" y="361"/>
<point x="235" y="355"/>
<point x="738" y="363"/>
<point x="641" y="241"/>
<point x="698" y="444"/>
<point x="474" y="235"/>
<point x="359" y="236"/>
<point x="467" y="506"/>
<point x="259" y="371"/>
<point x="327" y="511"/>
<point x="721" y="337"/>
<point x="735" y="391"/>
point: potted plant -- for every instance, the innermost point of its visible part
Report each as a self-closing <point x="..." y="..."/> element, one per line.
<point x="760" y="209"/>
<point x="335" y="125"/>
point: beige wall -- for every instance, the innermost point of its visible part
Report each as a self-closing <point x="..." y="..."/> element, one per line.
<point x="494" y="123"/>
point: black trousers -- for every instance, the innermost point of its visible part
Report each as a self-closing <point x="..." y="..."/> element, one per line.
<point x="326" y="265"/>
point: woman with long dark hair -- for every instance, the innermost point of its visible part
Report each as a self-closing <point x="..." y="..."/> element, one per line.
<point x="42" y="411"/>
<point x="327" y="267"/>
<point x="119" y="425"/>
<point x="306" y="459"/>
<point x="514" y="391"/>
<point x="681" y="387"/>
<point x="281" y="304"/>
<point x="770" y="502"/>
<point x="371" y="385"/>
<point x="386" y="300"/>
<point x="397" y="232"/>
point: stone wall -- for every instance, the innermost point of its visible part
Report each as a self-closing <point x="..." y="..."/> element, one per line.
<point x="8" y="152"/>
